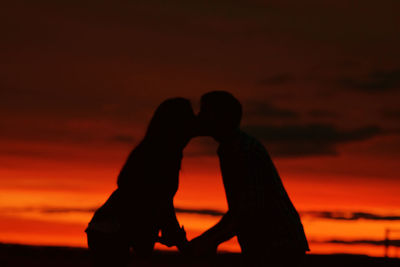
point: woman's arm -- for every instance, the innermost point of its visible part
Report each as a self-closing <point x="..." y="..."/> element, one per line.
<point x="171" y="232"/>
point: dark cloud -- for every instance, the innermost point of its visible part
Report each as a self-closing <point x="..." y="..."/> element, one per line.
<point x="391" y="114"/>
<point x="257" y="109"/>
<point x="293" y="140"/>
<point x="374" y="82"/>
<point x="350" y="216"/>
<point x="308" y="140"/>
<point x="394" y="243"/>
<point x="322" y="114"/>
<point x="277" y="79"/>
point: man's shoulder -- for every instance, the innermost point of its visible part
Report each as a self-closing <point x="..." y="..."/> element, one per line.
<point x="250" y="143"/>
<point x="243" y="144"/>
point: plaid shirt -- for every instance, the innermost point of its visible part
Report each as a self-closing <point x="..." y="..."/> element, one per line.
<point x="259" y="205"/>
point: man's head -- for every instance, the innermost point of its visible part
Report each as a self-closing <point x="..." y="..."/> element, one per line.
<point x="220" y="114"/>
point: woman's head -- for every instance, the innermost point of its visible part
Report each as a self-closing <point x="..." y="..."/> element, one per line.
<point x="173" y="123"/>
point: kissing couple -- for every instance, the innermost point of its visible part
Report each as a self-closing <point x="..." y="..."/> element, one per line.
<point x="140" y="212"/>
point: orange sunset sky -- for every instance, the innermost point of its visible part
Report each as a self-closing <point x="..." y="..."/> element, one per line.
<point x="319" y="83"/>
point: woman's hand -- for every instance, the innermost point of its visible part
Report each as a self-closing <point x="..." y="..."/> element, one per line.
<point x="174" y="238"/>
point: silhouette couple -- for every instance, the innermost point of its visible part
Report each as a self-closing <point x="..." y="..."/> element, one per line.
<point x="260" y="212"/>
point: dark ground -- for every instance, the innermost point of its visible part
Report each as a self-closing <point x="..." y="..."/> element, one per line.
<point x="32" y="256"/>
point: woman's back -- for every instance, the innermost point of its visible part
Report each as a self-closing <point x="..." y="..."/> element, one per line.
<point x="151" y="171"/>
<point x="148" y="179"/>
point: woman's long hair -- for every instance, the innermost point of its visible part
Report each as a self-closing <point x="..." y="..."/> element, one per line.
<point x="170" y="128"/>
<point x="172" y="121"/>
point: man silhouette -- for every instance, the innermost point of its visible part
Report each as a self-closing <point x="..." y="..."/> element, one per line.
<point x="260" y="212"/>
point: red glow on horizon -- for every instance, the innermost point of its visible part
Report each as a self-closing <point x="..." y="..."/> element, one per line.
<point x="200" y="187"/>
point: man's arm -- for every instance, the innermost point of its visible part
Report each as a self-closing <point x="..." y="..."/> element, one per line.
<point x="207" y="243"/>
<point x="224" y="230"/>
<point x="241" y="203"/>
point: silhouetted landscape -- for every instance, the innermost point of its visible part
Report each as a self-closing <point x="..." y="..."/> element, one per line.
<point x="22" y="255"/>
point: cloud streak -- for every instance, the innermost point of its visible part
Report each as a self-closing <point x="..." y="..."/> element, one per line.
<point x="61" y="210"/>
<point x="350" y="216"/>
<point x="328" y="215"/>
<point x="394" y="243"/>
<point x="208" y="212"/>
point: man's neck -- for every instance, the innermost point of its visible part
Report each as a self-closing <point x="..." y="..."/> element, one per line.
<point x="228" y="137"/>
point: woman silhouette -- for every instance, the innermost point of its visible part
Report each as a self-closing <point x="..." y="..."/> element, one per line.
<point x="142" y="205"/>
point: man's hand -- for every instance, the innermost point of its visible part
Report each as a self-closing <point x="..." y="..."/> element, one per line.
<point x="201" y="246"/>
